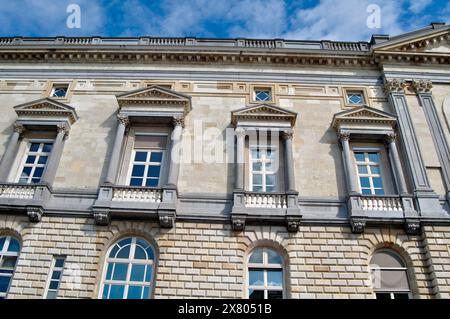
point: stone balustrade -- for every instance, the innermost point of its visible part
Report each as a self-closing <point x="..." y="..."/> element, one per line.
<point x="18" y="191"/>
<point x="137" y="194"/>
<point x="381" y="203"/>
<point x="265" y="200"/>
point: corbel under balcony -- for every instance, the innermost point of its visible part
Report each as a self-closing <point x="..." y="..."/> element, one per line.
<point x="115" y="201"/>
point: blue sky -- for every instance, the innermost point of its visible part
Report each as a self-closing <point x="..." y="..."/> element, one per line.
<point x="289" y="19"/>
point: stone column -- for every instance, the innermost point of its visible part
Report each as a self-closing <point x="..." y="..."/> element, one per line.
<point x="115" y="154"/>
<point x="10" y="152"/>
<point x="175" y="153"/>
<point x="344" y="137"/>
<point x="55" y="155"/>
<point x="395" y="160"/>
<point x="423" y="91"/>
<point x="240" y="144"/>
<point x="289" y="159"/>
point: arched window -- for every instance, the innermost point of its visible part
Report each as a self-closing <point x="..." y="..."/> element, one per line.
<point x="389" y="275"/>
<point x="129" y="270"/>
<point x="265" y="274"/>
<point x="9" y="253"/>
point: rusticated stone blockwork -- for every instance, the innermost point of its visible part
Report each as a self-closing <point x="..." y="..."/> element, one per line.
<point x="209" y="260"/>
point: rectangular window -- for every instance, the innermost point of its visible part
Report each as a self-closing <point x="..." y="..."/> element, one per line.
<point x="355" y="98"/>
<point x="369" y="172"/>
<point x="263" y="94"/>
<point x="35" y="161"/>
<point x="392" y="295"/>
<point x="147" y="159"/>
<point x="59" y="91"/>
<point x="262" y="168"/>
<point x="54" y="279"/>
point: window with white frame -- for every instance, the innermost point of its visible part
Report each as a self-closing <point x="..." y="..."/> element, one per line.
<point x="369" y="172"/>
<point x="35" y="161"/>
<point x="263" y="94"/>
<point x="389" y="275"/>
<point x="263" y="169"/>
<point x="129" y="270"/>
<point x="265" y="274"/>
<point x="9" y="253"/>
<point x="147" y="158"/>
<point x="54" y="279"/>
<point x="355" y="98"/>
<point x="59" y="91"/>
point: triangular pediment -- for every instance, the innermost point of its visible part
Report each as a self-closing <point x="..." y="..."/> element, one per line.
<point x="46" y="108"/>
<point x="363" y="115"/>
<point x="433" y="40"/>
<point x="154" y="95"/>
<point x="265" y="112"/>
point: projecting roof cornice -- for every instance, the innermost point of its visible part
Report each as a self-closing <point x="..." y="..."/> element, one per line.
<point x="46" y="110"/>
<point x="363" y="117"/>
<point x="154" y="97"/>
<point x="263" y="113"/>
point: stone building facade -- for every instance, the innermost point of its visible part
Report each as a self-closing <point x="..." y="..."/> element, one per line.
<point x="225" y="168"/>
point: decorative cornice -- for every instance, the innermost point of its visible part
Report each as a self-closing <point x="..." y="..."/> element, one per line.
<point x="46" y="108"/>
<point x="263" y="112"/>
<point x="422" y="86"/>
<point x="394" y="86"/>
<point x="363" y="115"/>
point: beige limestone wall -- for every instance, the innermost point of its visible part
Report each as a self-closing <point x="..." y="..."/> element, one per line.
<point x="208" y="260"/>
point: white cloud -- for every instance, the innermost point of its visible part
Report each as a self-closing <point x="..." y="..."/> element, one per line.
<point x="417" y="6"/>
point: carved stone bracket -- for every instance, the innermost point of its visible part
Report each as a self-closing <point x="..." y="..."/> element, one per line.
<point x="102" y="217"/>
<point x="19" y="128"/>
<point x="292" y="224"/>
<point x="178" y="121"/>
<point x="238" y="223"/>
<point x="343" y="136"/>
<point x="422" y="86"/>
<point x="123" y="119"/>
<point x="358" y="225"/>
<point x="35" y="214"/>
<point x="63" y="128"/>
<point x="287" y="134"/>
<point x="240" y="132"/>
<point x="412" y="226"/>
<point x="394" y="86"/>
<point x="166" y="220"/>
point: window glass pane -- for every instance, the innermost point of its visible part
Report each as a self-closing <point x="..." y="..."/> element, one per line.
<point x="30" y="159"/>
<point x="2" y="242"/>
<point x="51" y="294"/>
<point x="257" y="166"/>
<point x="374" y="157"/>
<point x="150" y="253"/>
<point x="359" y="156"/>
<point x="136" y="182"/>
<point x="383" y="295"/>
<point x="377" y="182"/>
<point x="151" y="182"/>
<point x="116" y="292"/>
<point x="56" y="274"/>
<point x="124" y="252"/>
<point x="146" y="293"/>
<point x="379" y="192"/>
<point x="256" y="257"/>
<point x="53" y="285"/>
<point x="140" y="157"/>
<point x="156" y="157"/>
<point x="34" y="147"/>
<point x="137" y="272"/>
<point x="47" y="147"/>
<point x="13" y="245"/>
<point x="355" y="98"/>
<point x="4" y="283"/>
<point x="375" y="169"/>
<point x="256" y="154"/>
<point x="153" y="171"/>
<point x="35" y="180"/>
<point x="270" y="180"/>
<point x="362" y="169"/>
<point x="148" y="274"/>
<point x="257" y="188"/>
<point x="255" y="294"/>
<point x="262" y="95"/>
<point x="42" y="160"/>
<point x="274" y="294"/>
<point x="139" y="253"/>
<point x="109" y="271"/>
<point x="273" y="257"/>
<point x="120" y="271"/>
<point x="59" y="262"/>
<point x="256" y="278"/>
<point x="9" y="261"/>
<point x="401" y="296"/>
<point x="105" y="291"/>
<point x="270" y="189"/>
<point x="38" y="171"/>
<point x="26" y="172"/>
<point x="138" y="170"/>
<point x="274" y="278"/>
<point x="364" y="181"/>
<point x="134" y="292"/>
<point x="124" y="242"/>
<point x="257" y="179"/>
<point x="59" y="92"/>
<point x="366" y="191"/>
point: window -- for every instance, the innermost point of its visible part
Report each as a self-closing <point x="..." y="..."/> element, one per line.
<point x="369" y="172"/>
<point x="263" y="94"/>
<point x="35" y="161"/>
<point x="129" y="270"/>
<point x="355" y="98"/>
<point x="263" y="171"/>
<point x="389" y="275"/>
<point x="9" y="253"/>
<point x="55" y="277"/>
<point x="147" y="159"/>
<point x="59" y="91"/>
<point x="265" y="274"/>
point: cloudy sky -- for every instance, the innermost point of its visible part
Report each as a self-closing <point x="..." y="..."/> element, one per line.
<point x="289" y="19"/>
